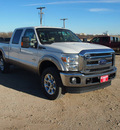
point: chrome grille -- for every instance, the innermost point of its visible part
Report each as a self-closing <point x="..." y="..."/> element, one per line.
<point x="97" y="61"/>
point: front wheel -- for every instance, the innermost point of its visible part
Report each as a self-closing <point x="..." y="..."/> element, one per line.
<point x="51" y="83"/>
<point x="4" y="67"/>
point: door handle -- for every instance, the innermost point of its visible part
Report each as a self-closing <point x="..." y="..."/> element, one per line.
<point x="34" y="59"/>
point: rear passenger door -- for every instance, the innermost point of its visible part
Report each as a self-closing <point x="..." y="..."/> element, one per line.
<point x="15" y="45"/>
<point x="106" y="41"/>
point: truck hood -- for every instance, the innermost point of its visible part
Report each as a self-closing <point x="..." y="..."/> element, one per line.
<point x="72" y="47"/>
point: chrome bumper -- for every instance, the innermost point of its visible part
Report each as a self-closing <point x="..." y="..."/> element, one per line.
<point x="65" y="77"/>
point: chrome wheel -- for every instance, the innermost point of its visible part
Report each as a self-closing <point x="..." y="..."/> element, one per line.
<point x="49" y="84"/>
<point x="1" y="64"/>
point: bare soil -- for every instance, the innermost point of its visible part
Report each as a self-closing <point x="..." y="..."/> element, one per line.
<point x="23" y="105"/>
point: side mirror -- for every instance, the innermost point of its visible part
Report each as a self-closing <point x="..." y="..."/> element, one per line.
<point x="25" y="42"/>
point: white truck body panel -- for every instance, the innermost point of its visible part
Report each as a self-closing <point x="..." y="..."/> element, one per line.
<point x="73" y="47"/>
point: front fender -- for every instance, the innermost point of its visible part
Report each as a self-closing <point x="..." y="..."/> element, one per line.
<point x="54" y="60"/>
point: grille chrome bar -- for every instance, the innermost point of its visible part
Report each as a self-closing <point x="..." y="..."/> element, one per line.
<point x="92" y="61"/>
<point x="98" y="66"/>
<point x="98" y="57"/>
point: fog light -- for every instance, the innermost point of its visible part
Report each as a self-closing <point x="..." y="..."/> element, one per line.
<point x="88" y="80"/>
<point x="73" y="80"/>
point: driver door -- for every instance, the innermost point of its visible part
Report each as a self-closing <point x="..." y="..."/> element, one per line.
<point x="28" y="56"/>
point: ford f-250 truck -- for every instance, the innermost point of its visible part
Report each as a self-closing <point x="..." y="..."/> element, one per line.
<point x="62" y="61"/>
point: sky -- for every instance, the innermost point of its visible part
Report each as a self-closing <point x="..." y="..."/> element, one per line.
<point x="84" y="16"/>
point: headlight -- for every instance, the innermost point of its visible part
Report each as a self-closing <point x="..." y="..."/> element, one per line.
<point x="70" y="61"/>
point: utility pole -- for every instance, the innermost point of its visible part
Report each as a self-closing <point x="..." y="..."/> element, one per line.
<point x="64" y="21"/>
<point x="41" y="13"/>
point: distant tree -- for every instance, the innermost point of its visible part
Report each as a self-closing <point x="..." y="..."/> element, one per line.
<point x="6" y="35"/>
<point x="89" y="37"/>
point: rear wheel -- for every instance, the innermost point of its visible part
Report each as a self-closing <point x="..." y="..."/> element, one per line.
<point x="51" y="83"/>
<point x="4" y="67"/>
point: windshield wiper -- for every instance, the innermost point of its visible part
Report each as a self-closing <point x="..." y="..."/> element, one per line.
<point x="47" y="42"/>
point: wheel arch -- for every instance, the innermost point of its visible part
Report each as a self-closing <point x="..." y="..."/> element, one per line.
<point x="2" y="53"/>
<point x="49" y="62"/>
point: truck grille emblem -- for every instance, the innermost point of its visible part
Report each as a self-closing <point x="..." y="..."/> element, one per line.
<point x="102" y="62"/>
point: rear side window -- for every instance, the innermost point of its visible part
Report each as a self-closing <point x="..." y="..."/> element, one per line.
<point x="105" y="39"/>
<point x="118" y="39"/>
<point x="16" y="37"/>
<point x="115" y="39"/>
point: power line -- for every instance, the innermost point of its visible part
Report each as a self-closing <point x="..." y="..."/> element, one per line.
<point x="41" y="13"/>
<point x="64" y="21"/>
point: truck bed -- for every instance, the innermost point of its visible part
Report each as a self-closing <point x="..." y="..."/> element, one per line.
<point x="4" y="47"/>
<point x="5" y="40"/>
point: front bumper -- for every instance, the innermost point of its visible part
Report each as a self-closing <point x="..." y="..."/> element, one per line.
<point x="85" y="80"/>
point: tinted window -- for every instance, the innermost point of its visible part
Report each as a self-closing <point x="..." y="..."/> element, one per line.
<point x="93" y="40"/>
<point x="115" y="39"/>
<point x="105" y="39"/>
<point x="111" y="39"/>
<point x="1" y="39"/>
<point x="32" y="37"/>
<point x="118" y="39"/>
<point x="50" y="35"/>
<point x="96" y="40"/>
<point x="16" y="37"/>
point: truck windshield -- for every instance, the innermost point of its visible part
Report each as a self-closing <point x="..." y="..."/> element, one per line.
<point x="51" y="35"/>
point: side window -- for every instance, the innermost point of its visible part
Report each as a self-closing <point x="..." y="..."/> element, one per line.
<point x="98" y="40"/>
<point x="94" y="39"/>
<point x="16" y="37"/>
<point x="118" y="39"/>
<point x="113" y="39"/>
<point x="105" y="40"/>
<point x="32" y="37"/>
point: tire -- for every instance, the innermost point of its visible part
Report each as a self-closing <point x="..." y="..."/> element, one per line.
<point x="4" y="67"/>
<point x="51" y="83"/>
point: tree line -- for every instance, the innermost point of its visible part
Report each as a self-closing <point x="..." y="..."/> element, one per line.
<point x="6" y="35"/>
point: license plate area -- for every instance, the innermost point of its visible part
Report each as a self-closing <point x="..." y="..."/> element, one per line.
<point x="103" y="78"/>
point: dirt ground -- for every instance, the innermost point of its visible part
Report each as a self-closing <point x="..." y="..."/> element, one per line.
<point x="24" y="107"/>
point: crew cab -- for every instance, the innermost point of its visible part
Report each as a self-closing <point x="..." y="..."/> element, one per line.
<point x="110" y="41"/>
<point x="62" y="61"/>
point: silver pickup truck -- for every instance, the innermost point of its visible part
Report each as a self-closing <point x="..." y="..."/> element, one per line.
<point x="62" y="61"/>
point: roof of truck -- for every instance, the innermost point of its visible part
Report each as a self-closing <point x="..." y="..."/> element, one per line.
<point x="40" y="27"/>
